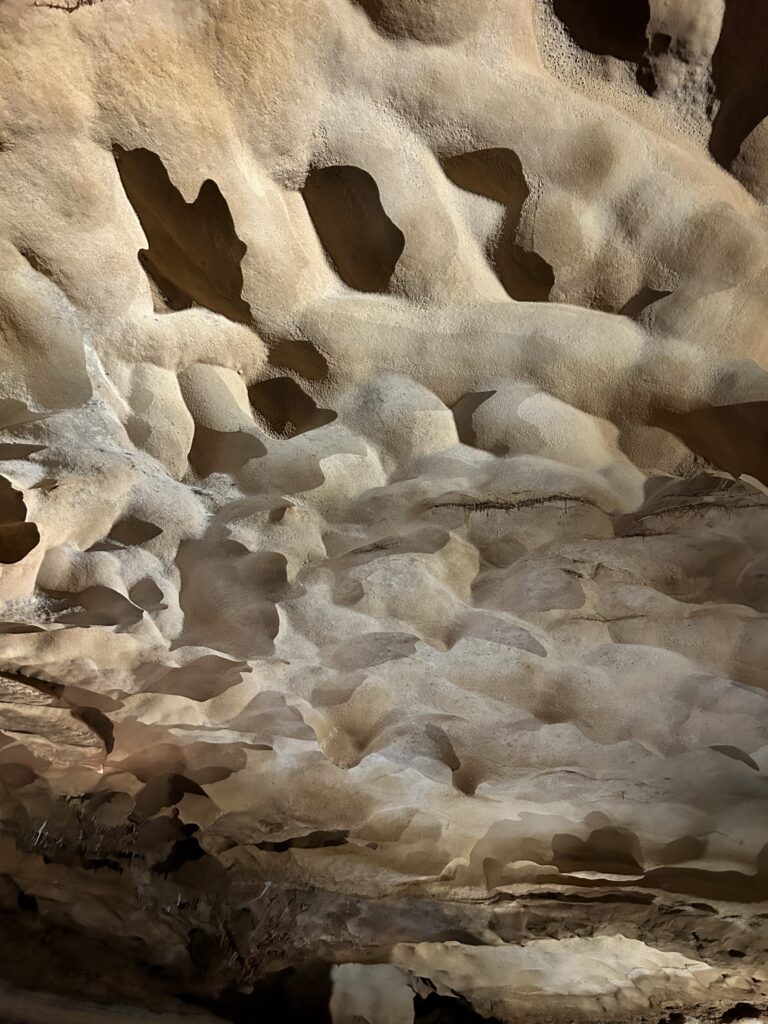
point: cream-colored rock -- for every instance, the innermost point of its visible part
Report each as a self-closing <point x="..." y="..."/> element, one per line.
<point x="383" y="497"/>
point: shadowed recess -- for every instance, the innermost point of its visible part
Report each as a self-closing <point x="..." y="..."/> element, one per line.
<point x="133" y="530"/>
<point x="614" y="28"/>
<point x="285" y="409"/>
<point x="613" y="850"/>
<point x="127" y="532"/>
<point x="463" y="413"/>
<point x="733" y="437"/>
<point x="95" y="606"/>
<point x="147" y="595"/>
<point x="194" y="253"/>
<point x="360" y="240"/>
<point x="12" y="450"/>
<point x="17" y="537"/>
<point x="497" y="174"/>
<point x="738" y="72"/>
<point x="300" y="994"/>
<point x="165" y="790"/>
<point x="441" y="1009"/>
<point x="299" y="356"/>
<point x="200" y="679"/>
<point x="221" y="451"/>
<point x="645" y="297"/>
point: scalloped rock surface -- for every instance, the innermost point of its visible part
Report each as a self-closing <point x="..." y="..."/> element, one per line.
<point x="383" y="510"/>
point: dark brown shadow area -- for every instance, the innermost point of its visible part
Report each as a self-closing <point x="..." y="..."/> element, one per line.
<point x="613" y="850"/>
<point x="463" y="413"/>
<point x="498" y="174"/>
<point x="733" y="437"/>
<point x="147" y="595"/>
<point x="614" y="28"/>
<point x="194" y="253"/>
<point x="285" y="409"/>
<point x="17" y="537"/>
<point x="301" y="994"/>
<point x="440" y="1009"/>
<point x="127" y="532"/>
<point x="738" y="71"/>
<point x="94" y="606"/>
<point x="11" y="450"/>
<point x="132" y="530"/>
<point x="201" y="679"/>
<point x="299" y="356"/>
<point x="220" y="451"/>
<point x="644" y="298"/>
<point x="165" y="790"/>
<point x="360" y="240"/>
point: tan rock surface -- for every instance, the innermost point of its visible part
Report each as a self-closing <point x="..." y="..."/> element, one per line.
<point x="383" y="505"/>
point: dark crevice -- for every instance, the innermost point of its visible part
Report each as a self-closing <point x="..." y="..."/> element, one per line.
<point x="194" y="255"/>
<point x="738" y="73"/>
<point x="361" y="242"/>
<point x="660" y="43"/>
<point x="644" y="298"/>
<point x="127" y="532"/>
<point x="497" y="174"/>
<point x="17" y="536"/>
<point x="285" y="409"/>
<point x="463" y="413"/>
<point x="298" y="356"/>
<point x="613" y="850"/>
<point x="37" y="262"/>
<point x="741" y="1011"/>
<point x="147" y="595"/>
<point x="165" y="790"/>
<point x="646" y="77"/>
<point x="221" y="451"/>
<point x="613" y="28"/>
<point x="312" y="841"/>
<point x="436" y="1009"/>
<point x="94" y="606"/>
<point x="133" y="530"/>
<point x="11" y="450"/>
<point x="99" y="724"/>
<point x="733" y="437"/>
<point x="301" y="994"/>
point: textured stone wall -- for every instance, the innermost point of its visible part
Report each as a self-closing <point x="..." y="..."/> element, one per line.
<point x="383" y="510"/>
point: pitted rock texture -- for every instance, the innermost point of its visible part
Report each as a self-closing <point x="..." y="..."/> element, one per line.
<point x="383" y="507"/>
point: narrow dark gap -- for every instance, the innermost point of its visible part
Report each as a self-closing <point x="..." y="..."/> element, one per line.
<point x="497" y="174"/>
<point x="360" y="240"/>
<point x="194" y="255"/>
<point x="298" y="356"/>
<point x="463" y="414"/>
<point x="613" y="28"/>
<point x="285" y="409"/>
<point x="741" y="1011"/>
<point x="221" y="451"/>
<point x="436" y="1009"/>
<point x="301" y="994"/>
<point x="17" y="536"/>
<point x="733" y="437"/>
<point x="738" y="73"/>
<point x="644" y="298"/>
<point x="646" y="78"/>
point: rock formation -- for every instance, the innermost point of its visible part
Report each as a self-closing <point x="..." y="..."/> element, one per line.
<point x="383" y="510"/>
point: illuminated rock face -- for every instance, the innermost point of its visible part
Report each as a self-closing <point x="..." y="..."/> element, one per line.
<point x="383" y="509"/>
